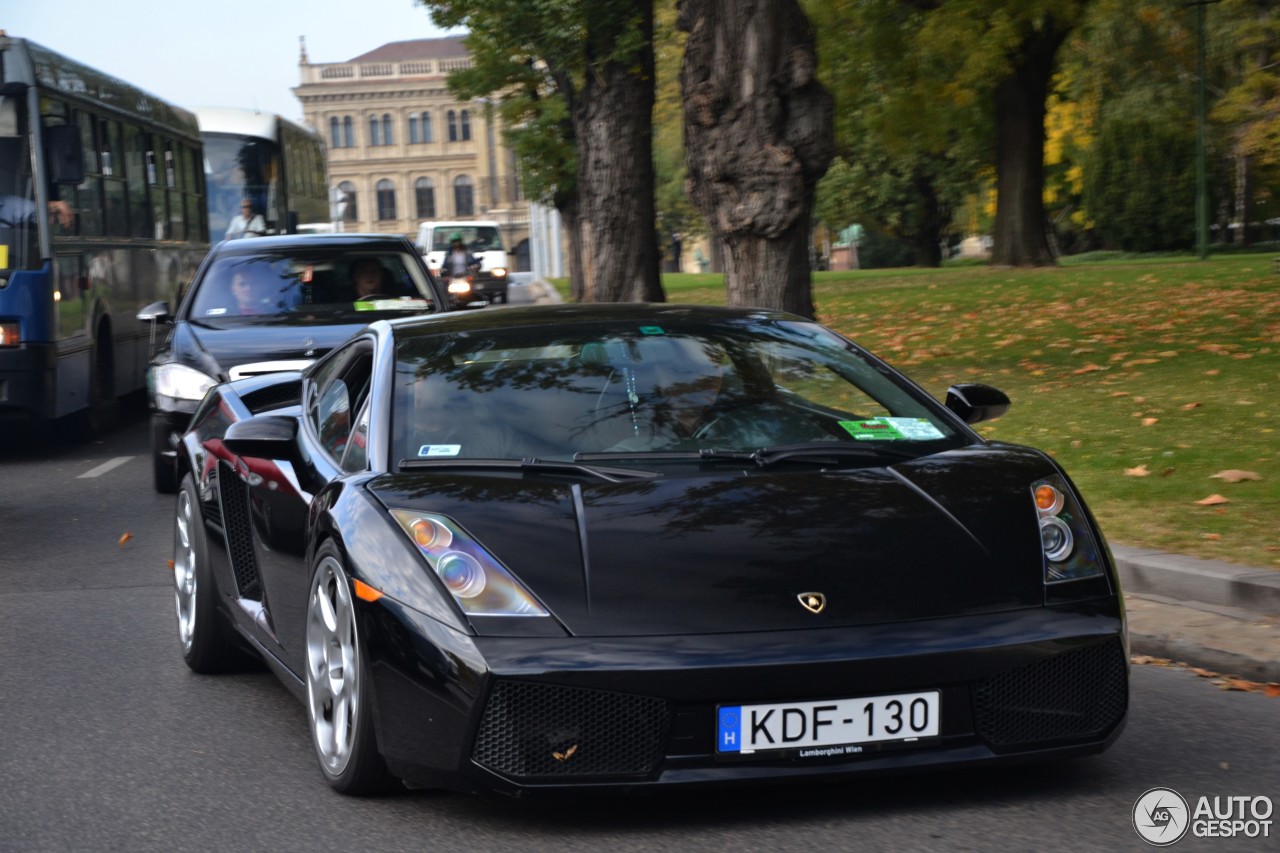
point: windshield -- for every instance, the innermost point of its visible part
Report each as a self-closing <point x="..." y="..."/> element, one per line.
<point x="343" y="284"/>
<point x="240" y="171"/>
<point x="19" y="244"/>
<point x="477" y="238"/>
<point x="644" y="392"/>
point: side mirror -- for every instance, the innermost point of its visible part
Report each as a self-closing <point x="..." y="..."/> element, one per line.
<point x="66" y="157"/>
<point x="156" y="312"/>
<point x="263" y="437"/>
<point x="975" y="403"/>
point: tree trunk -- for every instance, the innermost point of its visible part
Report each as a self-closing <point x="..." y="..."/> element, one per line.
<point x="1020" y="234"/>
<point x="758" y="133"/>
<point x="613" y="119"/>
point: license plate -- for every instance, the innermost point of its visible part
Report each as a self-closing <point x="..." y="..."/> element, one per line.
<point x="824" y="728"/>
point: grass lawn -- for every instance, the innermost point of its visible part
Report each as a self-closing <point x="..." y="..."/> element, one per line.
<point x="1144" y="378"/>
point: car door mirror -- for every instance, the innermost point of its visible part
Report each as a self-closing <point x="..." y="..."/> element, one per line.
<point x="975" y="402"/>
<point x="263" y="437"/>
<point x="156" y="312"/>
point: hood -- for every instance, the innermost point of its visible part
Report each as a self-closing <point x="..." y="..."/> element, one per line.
<point x="216" y="349"/>
<point x="949" y="535"/>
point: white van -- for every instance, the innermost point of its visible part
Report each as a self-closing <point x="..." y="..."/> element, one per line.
<point x="482" y="238"/>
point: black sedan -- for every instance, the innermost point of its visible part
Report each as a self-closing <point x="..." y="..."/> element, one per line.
<point x="271" y="304"/>
<point x="630" y="546"/>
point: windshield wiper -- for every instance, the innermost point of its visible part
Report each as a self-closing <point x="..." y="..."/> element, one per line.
<point x="531" y="464"/>
<point x="816" y="452"/>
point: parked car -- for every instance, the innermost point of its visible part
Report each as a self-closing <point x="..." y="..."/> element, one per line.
<point x="632" y="546"/>
<point x="270" y="304"/>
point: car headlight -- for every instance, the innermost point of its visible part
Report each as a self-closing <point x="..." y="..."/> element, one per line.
<point x="181" y="382"/>
<point x="498" y="272"/>
<point x="459" y="285"/>
<point x="1070" y="552"/>
<point x="477" y="581"/>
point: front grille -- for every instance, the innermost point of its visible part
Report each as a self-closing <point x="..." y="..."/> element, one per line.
<point x="235" y="514"/>
<point x="532" y="730"/>
<point x="1075" y="694"/>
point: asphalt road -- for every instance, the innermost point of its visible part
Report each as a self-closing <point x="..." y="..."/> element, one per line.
<point x="108" y="742"/>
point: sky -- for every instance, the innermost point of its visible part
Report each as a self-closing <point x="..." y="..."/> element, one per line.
<point x="233" y="53"/>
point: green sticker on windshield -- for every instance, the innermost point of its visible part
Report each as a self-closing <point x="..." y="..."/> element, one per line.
<point x="365" y="306"/>
<point x="892" y="429"/>
<point x="652" y="330"/>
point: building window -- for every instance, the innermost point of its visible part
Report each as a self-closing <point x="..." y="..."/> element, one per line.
<point x="413" y="128"/>
<point x="452" y="118"/>
<point x="388" y="137"/>
<point x="426" y="126"/>
<point x="386" y="200"/>
<point x="466" y="125"/>
<point x="375" y="131"/>
<point x="335" y="133"/>
<point x="424" y="192"/>
<point x="351" y="213"/>
<point x="348" y="132"/>
<point x="464" y="198"/>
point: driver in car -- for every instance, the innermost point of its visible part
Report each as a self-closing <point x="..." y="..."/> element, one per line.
<point x="370" y="279"/>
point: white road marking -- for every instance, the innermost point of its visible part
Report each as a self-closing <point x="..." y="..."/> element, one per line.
<point x="105" y="467"/>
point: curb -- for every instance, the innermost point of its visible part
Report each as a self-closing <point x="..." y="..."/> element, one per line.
<point x="1178" y="582"/>
<point x="1182" y="578"/>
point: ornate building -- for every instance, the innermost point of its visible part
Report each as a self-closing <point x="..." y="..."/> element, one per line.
<point x="403" y="149"/>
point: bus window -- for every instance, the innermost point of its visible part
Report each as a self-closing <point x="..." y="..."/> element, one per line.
<point x="19" y="247"/>
<point x="113" y="181"/>
<point x="89" y="193"/>
<point x="135" y="172"/>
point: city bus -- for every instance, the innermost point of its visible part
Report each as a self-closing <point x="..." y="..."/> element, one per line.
<point x="102" y="212"/>
<point x="275" y="165"/>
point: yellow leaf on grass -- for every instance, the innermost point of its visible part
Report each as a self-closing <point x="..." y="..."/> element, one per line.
<point x="124" y="538"/>
<point x="1189" y="406"/>
<point x="1213" y="500"/>
<point x="1232" y="475"/>
<point x="1150" y="421"/>
<point x="1140" y="471"/>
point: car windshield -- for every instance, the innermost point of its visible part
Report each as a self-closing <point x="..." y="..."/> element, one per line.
<point x="302" y="283"/>
<point x="477" y="238"/>
<point x="651" y="393"/>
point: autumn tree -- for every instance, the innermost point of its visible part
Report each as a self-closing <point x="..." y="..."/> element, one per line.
<point x="573" y="80"/>
<point x="758" y="136"/>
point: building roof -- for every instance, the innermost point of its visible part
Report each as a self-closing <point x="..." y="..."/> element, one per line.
<point x="450" y="47"/>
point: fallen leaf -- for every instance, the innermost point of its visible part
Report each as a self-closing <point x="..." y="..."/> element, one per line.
<point x="1189" y="406"/>
<point x="1140" y="471"/>
<point x="1240" y="684"/>
<point x="1203" y="673"/>
<point x="1148" y="660"/>
<point x="1212" y="500"/>
<point x="170" y="562"/>
<point x="1167" y="471"/>
<point x="124" y="538"/>
<point x="1232" y="475"/>
<point x="1150" y="421"/>
<point x="1272" y="690"/>
<point x="1088" y="368"/>
<point x="1213" y="537"/>
<point x="1119" y="393"/>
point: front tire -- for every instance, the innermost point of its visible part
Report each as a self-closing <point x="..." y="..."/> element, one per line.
<point x="204" y="636"/>
<point x="339" y="695"/>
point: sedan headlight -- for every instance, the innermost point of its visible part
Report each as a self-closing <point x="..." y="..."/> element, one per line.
<point x="477" y="581"/>
<point x="498" y="272"/>
<point x="1070" y="552"/>
<point x="181" y="382"/>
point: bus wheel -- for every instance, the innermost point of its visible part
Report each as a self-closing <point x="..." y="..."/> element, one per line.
<point x="103" y="408"/>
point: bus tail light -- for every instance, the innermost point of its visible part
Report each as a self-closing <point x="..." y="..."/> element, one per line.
<point x="9" y="336"/>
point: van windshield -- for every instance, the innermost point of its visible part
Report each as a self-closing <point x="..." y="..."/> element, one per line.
<point x="478" y="238"/>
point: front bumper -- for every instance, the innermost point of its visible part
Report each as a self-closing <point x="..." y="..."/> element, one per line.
<point x="501" y="714"/>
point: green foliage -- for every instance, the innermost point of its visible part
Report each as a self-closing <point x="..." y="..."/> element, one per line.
<point x="1140" y="184"/>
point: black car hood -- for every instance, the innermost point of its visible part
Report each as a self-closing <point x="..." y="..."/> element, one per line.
<point x="946" y="535"/>
<point x="215" y="349"/>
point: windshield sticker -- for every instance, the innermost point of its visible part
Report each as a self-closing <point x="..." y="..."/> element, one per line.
<point x="892" y="429"/>
<point x="403" y="304"/>
<point x="427" y="451"/>
<point x="213" y="312"/>
<point x="652" y="330"/>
